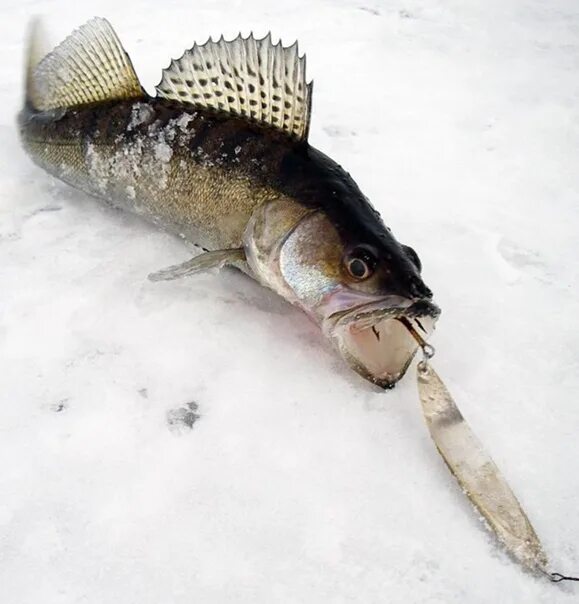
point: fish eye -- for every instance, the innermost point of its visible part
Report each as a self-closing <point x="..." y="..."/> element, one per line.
<point x="360" y="263"/>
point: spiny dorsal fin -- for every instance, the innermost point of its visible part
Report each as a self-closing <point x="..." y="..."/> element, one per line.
<point x="89" y="66"/>
<point x="251" y="78"/>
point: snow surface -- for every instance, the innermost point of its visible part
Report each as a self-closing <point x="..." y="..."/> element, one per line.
<point x="197" y="440"/>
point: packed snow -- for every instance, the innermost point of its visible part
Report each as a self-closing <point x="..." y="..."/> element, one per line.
<point x="198" y="440"/>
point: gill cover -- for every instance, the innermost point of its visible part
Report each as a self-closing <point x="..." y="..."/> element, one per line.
<point x="265" y="235"/>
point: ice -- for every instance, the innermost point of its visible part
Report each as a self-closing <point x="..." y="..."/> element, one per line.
<point x="298" y="481"/>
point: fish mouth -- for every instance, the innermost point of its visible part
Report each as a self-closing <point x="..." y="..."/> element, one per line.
<point x="377" y="338"/>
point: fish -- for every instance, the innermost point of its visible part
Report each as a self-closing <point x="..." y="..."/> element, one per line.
<point x="220" y="157"/>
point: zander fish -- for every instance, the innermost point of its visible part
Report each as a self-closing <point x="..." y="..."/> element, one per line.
<point x="220" y="156"/>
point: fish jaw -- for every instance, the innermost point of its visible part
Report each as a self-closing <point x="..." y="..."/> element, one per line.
<point x="374" y="340"/>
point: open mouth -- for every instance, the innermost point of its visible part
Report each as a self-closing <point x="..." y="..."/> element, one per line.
<point x="377" y="338"/>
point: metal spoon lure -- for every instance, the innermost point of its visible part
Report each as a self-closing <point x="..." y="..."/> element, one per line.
<point x="477" y="474"/>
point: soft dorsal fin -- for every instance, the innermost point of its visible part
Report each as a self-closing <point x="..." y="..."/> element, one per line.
<point x="251" y="78"/>
<point x="89" y="66"/>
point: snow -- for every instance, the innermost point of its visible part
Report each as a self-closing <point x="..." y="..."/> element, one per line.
<point x="163" y="152"/>
<point x="140" y="114"/>
<point x="197" y="440"/>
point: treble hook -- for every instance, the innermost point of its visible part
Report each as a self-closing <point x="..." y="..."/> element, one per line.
<point x="558" y="577"/>
<point x="428" y="350"/>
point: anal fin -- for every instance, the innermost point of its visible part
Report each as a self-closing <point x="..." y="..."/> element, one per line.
<point x="200" y="264"/>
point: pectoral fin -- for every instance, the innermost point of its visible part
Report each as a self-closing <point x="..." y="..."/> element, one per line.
<point x="200" y="264"/>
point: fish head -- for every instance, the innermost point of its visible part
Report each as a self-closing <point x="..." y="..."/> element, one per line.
<point x="357" y="282"/>
<point x="363" y="290"/>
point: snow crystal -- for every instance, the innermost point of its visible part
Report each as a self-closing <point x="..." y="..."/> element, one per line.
<point x="163" y="152"/>
<point x="141" y="113"/>
<point x="183" y="121"/>
<point x="98" y="167"/>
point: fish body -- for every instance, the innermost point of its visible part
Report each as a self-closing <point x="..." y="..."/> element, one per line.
<point x="221" y="158"/>
<point x="197" y="175"/>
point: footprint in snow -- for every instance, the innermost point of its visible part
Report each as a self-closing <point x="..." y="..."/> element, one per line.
<point x="338" y="131"/>
<point x="59" y="406"/>
<point x="523" y="259"/>
<point x="183" y="417"/>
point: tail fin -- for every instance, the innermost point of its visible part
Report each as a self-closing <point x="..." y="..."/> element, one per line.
<point x="36" y="49"/>
<point x="90" y="66"/>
